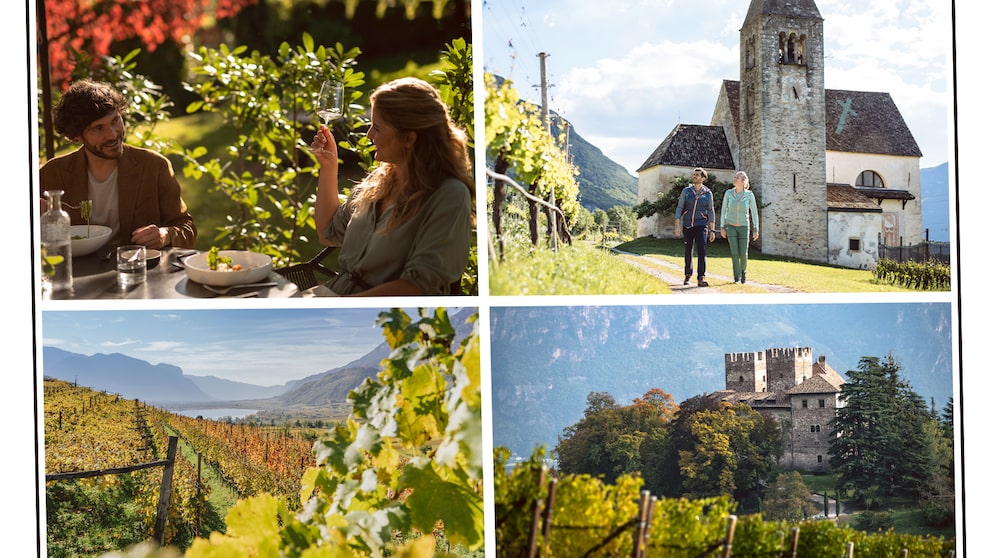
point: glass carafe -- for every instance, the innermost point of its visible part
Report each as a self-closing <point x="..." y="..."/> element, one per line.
<point x="56" y="246"/>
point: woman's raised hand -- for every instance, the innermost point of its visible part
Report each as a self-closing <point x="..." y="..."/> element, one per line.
<point x="324" y="147"/>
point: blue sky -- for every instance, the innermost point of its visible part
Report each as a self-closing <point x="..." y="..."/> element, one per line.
<point x="626" y="72"/>
<point x="258" y="346"/>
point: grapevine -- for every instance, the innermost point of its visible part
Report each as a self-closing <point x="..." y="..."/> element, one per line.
<point x="87" y="430"/>
<point x="407" y="460"/>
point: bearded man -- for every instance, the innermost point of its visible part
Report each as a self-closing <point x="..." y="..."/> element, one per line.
<point x="133" y="191"/>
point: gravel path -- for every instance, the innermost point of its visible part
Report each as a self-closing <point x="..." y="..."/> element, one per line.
<point x="672" y="274"/>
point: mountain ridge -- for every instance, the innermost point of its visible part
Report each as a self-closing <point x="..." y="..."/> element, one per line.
<point x="166" y="384"/>
<point x="547" y="360"/>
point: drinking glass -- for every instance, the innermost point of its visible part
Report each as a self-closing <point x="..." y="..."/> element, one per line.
<point x="329" y="101"/>
<point x="131" y="265"/>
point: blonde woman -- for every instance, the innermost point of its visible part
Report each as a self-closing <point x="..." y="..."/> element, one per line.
<point x="738" y="221"/>
<point x="406" y="229"/>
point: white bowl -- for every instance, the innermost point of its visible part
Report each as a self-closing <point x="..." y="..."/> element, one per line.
<point x="86" y="242"/>
<point x="255" y="268"/>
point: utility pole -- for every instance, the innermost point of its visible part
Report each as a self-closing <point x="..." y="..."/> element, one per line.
<point x="552" y="218"/>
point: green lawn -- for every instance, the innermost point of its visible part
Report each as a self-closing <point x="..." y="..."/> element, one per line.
<point x="906" y="513"/>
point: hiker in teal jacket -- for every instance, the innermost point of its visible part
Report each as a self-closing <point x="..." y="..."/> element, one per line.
<point x="738" y="218"/>
<point x="695" y="221"/>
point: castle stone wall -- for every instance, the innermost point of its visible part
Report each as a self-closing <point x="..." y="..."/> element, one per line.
<point x="745" y="372"/>
<point x="789" y="367"/>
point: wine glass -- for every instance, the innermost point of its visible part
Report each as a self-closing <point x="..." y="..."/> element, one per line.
<point x="329" y="101"/>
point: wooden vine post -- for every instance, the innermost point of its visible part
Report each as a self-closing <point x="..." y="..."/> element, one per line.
<point x="535" y="518"/>
<point x="794" y="551"/>
<point x="546" y="516"/>
<point x="728" y="543"/>
<point x="165" y="493"/>
<point x="640" y="535"/>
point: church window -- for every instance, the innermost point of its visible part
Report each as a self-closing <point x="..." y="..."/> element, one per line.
<point x="791" y="49"/>
<point x="749" y="108"/>
<point x="869" y="179"/>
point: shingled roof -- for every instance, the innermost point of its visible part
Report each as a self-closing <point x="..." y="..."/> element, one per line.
<point x="692" y="145"/>
<point x="816" y="384"/>
<point x="844" y="197"/>
<point x="785" y="8"/>
<point x="866" y="122"/>
<point x="856" y="122"/>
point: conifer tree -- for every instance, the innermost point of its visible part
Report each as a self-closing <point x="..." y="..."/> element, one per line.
<point x="880" y="445"/>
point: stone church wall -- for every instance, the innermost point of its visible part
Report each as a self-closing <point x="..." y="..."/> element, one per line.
<point x="852" y="228"/>
<point x="898" y="173"/>
<point x="783" y="143"/>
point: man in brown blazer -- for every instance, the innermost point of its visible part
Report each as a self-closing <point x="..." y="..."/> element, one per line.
<point x="134" y="191"/>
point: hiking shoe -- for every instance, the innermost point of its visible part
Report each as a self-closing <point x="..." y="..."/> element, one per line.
<point x="687" y="277"/>
<point x="703" y="283"/>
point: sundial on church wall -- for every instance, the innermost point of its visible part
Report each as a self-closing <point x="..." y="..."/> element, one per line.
<point x="794" y="89"/>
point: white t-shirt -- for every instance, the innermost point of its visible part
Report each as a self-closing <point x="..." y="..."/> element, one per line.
<point x="105" y="206"/>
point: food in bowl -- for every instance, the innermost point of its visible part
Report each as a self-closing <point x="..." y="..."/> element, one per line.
<point x="86" y="239"/>
<point x="252" y="267"/>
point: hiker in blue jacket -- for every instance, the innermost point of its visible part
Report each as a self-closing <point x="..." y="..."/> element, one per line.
<point x="695" y="220"/>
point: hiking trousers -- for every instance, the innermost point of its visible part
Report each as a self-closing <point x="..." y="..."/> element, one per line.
<point x="737" y="237"/>
<point x="695" y="236"/>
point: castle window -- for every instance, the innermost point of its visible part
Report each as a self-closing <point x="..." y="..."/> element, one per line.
<point x="819" y="459"/>
<point x="823" y="403"/>
<point x="805" y="403"/>
<point x="869" y="179"/>
<point x="814" y="428"/>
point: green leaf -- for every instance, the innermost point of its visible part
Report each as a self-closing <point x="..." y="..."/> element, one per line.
<point x="433" y="498"/>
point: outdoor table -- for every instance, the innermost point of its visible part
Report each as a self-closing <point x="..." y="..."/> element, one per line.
<point x="94" y="276"/>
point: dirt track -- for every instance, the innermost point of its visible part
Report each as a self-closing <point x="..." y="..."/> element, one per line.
<point x="672" y="274"/>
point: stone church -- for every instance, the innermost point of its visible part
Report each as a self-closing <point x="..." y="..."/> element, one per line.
<point x="836" y="172"/>
<point x="803" y="395"/>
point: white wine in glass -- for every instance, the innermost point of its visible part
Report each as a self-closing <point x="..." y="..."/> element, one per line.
<point x="329" y="101"/>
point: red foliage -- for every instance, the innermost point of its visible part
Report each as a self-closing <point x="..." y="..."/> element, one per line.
<point x="94" y="25"/>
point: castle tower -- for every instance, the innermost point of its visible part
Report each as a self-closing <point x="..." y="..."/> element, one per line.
<point x="745" y="371"/>
<point x="787" y="368"/>
<point x="783" y="125"/>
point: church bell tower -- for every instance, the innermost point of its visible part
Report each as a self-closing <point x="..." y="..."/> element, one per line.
<point x="783" y="125"/>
